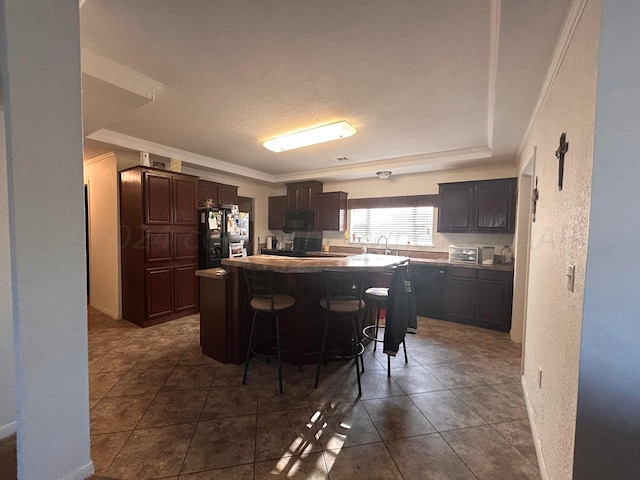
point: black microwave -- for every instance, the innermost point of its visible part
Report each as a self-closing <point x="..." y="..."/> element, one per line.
<point x="298" y="221"/>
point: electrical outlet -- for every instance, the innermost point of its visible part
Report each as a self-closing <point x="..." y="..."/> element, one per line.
<point x="539" y="377"/>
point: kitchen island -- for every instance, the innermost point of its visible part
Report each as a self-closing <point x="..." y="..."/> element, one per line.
<point x="225" y="316"/>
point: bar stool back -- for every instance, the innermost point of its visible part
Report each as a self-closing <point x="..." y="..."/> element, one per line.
<point x="343" y="296"/>
<point x="263" y="299"/>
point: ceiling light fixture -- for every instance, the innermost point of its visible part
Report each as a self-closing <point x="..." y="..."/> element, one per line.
<point x="383" y="174"/>
<point x="325" y="133"/>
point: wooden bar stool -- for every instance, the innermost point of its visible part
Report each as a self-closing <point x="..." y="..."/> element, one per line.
<point x="343" y="299"/>
<point x="263" y="299"/>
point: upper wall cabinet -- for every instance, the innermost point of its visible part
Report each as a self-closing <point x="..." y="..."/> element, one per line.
<point x="486" y="206"/>
<point x="221" y="194"/>
<point x="331" y="211"/>
<point x="300" y="195"/>
<point x="277" y="206"/>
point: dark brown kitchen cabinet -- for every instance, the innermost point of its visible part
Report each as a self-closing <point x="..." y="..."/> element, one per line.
<point x="486" y="206"/>
<point x="479" y="297"/>
<point x="300" y="195"/>
<point x="158" y="245"/>
<point x="221" y="194"/>
<point x="277" y="206"/>
<point x="331" y="211"/>
<point x="429" y="288"/>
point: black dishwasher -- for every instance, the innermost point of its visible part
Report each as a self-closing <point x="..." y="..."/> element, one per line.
<point x="429" y="283"/>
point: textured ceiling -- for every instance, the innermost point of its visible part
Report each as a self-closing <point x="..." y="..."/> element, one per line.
<point x="428" y="84"/>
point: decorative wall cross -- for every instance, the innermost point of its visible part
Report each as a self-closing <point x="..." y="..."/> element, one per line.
<point x="562" y="149"/>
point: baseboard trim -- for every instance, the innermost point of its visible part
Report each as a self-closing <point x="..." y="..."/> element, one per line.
<point x="106" y="311"/>
<point x="82" y="472"/>
<point x="534" y="430"/>
<point x="8" y="429"/>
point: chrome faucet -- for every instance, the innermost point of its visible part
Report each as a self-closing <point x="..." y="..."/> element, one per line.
<point x="386" y="244"/>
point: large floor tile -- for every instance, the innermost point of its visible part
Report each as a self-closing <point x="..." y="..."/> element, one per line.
<point x="139" y="382"/>
<point x="308" y="466"/>
<point x="101" y="382"/>
<point x="105" y="447"/>
<point x="518" y="434"/>
<point x="416" y="380"/>
<point x="240" y="472"/>
<point x="397" y="417"/>
<point x="296" y="395"/>
<point x="489" y="456"/>
<point x="189" y="376"/>
<point x="489" y="404"/>
<point x="221" y="443"/>
<point x="284" y="434"/>
<point x="119" y="414"/>
<point x="427" y="457"/>
<point x="152" y="453"/>
<point x="362" y="461"/>
<point x="445" y="411"/>
<point x="230" y="401"/>
<point x="159" y="358"/>
<point x="174" y="407"/>
<point x="454" y="375"/>
<point x="376" y="384"/>
<point x="345" y="425"/>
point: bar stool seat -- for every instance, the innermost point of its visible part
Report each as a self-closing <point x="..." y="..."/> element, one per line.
<point x="379" y="297"/>
<point x="264" y="300"/>
<point x="343" y="299"/>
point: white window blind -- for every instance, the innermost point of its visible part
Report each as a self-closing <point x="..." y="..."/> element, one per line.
<point x="401" y="225"/>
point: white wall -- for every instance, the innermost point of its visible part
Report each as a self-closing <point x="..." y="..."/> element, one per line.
<point x="7" y="375"/>
<point x="559" y="238"/>
<point x="41" y="82"/>
<point x="101" y="178"/>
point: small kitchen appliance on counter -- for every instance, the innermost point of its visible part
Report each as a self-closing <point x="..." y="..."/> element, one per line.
<point x="463" y="254"/>
<point x="488" y="254"/>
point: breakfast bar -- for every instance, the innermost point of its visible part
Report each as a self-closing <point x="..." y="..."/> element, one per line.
<point x="225" y="316"/>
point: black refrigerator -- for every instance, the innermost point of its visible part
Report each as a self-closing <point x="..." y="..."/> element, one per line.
<point x="217" y="229"/>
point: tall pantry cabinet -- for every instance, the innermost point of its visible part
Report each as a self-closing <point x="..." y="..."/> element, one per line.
<point x="158" y="245"/>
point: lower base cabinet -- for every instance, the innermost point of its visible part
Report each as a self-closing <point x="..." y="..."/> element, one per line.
<point x="171" y="292"/>
<point x="479" y="297"/>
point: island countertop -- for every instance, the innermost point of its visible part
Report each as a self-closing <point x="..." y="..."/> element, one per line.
<point x="368" y="261"/>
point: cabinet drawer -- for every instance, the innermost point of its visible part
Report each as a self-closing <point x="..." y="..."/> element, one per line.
<point x="495" y="275"/>
<point x="461" y="272"/>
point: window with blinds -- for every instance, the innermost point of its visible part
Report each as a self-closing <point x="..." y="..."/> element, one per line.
<point x="401" y="225"/>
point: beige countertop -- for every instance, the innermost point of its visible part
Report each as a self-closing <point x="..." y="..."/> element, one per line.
<point x="371" y="262"/>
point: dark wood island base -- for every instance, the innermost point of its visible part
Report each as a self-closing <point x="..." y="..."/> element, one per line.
<point x="225" y="316"/>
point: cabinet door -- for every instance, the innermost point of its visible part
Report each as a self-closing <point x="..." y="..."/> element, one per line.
<point x="277" y="207"/>
<point x="185" y="287"/>
<point x="227" y="195"/>
<point x="429" y="287"/>
<point x="495" y="206"/>
<point x="293" y="198"/>
<point x="157" y="198"/>
<point x="157" y="246"/>
<point x="454" y="212"/>
<point x="460" y="297"/>
<point x="184" y="201"/>
<point x="159" y="291"/>
<point x="331" y="211"/>
<point x="206" y="191"/>
<point x="495" y="296"/>
<point x="185" y="245"/>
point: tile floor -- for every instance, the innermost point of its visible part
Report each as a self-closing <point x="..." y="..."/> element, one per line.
<point x="160" y="409"/>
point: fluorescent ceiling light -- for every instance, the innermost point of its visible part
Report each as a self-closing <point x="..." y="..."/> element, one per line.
<point x="326" y="133"/>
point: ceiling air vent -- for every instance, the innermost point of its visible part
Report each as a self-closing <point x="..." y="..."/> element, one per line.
<point x="340" y="159"/>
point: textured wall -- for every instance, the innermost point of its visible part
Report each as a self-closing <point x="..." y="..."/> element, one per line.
<point x="101" y="178"/>
<point x="559" y="238"/>
<point x="7" y="375"/>
<point x="608" y="423"/>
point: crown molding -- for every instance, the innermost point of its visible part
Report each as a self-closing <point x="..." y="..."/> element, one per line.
<point x="494" y="44"/>
<point x="567" y="32"/>
<point x="98" y="159"/>
<point x="399" y="165"/>
<point x="111" y="72"/>
<point x="133" y="143"/>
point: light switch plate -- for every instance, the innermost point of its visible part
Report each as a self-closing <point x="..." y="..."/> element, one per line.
<point x="571" y="276"/>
